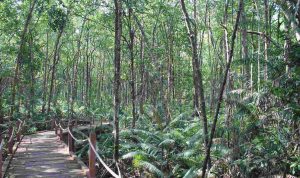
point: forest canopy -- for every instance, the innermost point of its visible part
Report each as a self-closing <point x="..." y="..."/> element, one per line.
<point x="191" y="88"/>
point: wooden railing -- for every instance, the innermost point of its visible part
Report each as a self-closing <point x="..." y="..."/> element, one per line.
<point x="91" y="140"/>
<point x="10" y="140"/>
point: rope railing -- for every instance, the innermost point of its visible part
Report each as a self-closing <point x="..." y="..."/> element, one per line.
<point x="3" y="132"/>
<point x="1" y="144"/>
<point x="1" y="162"/>
<point x="74" y="138"/>
<point x="93" y="153"/>
<point x="62" y="127"/>
<point x="20" y="124"/>
<point x="103" y="163"/>
<point x="11" y="135"/>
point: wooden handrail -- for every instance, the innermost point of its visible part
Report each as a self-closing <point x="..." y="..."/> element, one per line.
<point x="1" y="162"/>
<point x="102" y="162"/>
<point x="93" y="155"/>
<point x="19" y="122"/>
<point x="10" y="141"/>
<point x="70" y="139"/>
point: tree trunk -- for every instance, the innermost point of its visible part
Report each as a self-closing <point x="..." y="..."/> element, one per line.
<point x="197" y="74"/>
<point x="220" y="98"/>
<point x="45" y="74"/>
<point x="266" y="40"/>
<point x="143" y="77"/>
<point x="55" y="61"/>
<point x="117" y="73"/>
<point x="245" y="56"/>
<point x="132" y="72"/>
<point x="32" y="81"/>
<point x="20" y="56"/>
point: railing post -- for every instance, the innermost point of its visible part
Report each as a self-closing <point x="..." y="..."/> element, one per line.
<point x="92" y="156"/>
<point x="60" y="134"/>
<point x="1" y="162"/>
<point x="52" y="124"/>
<point x="70" y="139"/>
<point x="10" y="142"/>
<point x="19" y="130"/>
<point x="56" y="129"/>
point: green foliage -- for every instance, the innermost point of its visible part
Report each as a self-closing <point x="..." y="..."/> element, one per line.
<point x="259" y="115"/>
<point x="57" y="17"/>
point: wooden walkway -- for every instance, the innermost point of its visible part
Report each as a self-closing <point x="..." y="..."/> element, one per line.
<point x="44" y="155"/>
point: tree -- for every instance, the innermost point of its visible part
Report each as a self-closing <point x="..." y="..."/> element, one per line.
<point x="117" y="73"/>
<point x="197" y="74"/>
<point x="220" y="98"/>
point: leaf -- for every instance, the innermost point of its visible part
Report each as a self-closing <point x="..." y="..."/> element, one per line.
<point x="151" y="168"/>
<point x="167" y="143"/>
<point x="190" y="173"/>
<point x="131" y="154"/>
<point x="187" y="153"/>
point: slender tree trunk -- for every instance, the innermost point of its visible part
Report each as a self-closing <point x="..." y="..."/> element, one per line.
<point x="20" y="56"/>
<point x="266" y="40"/>
<point x="226" y="55"/>
<point x="197" y="74"/>
<point x="117" y="73"/>
<point x="220" y="98"/>
<point x="132" y="71"/>
<point x="143" y="77"/>
<point x="87" y="77"/>
<point x="245" y="56"/>
<point x="45" y="74"/>
<point x="55" y="61"/>
<point x="170" y="68"/>
<point x="32" y="81"/>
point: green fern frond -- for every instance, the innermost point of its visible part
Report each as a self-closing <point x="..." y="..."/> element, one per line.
<point x="191" y="173"/>
<point x="131" y="154"/>
<point x="151" y="168"/>
<point x="151" y="149"/>
<point x="187" y="153"/>
<point x="167" y="143"/>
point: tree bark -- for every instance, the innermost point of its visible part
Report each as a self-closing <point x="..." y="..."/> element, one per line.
<point x="55" y="61"/>
<point x="20" y="56"/>
<point x="220" y="98"/>
<point x="132" y="71"/>
<point x="117" y="73"/>
<point x="45" y="74"/>
<point x="143" y="77"/>
<point x="245" y="55"/>
<point x="197" y="74"/>
<point x="266" y="40"/>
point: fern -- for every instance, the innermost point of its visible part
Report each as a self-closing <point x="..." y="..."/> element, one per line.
<point x="167" y="143"/>
<point x="151" y="168"/>
<point x="187" y="153"/>
<point x="191" y="173"/>
<point x="135" y="153"/>
<point x="131" y="154"/>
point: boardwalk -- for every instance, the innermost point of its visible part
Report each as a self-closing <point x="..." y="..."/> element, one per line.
<point x="44" y="155"/>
